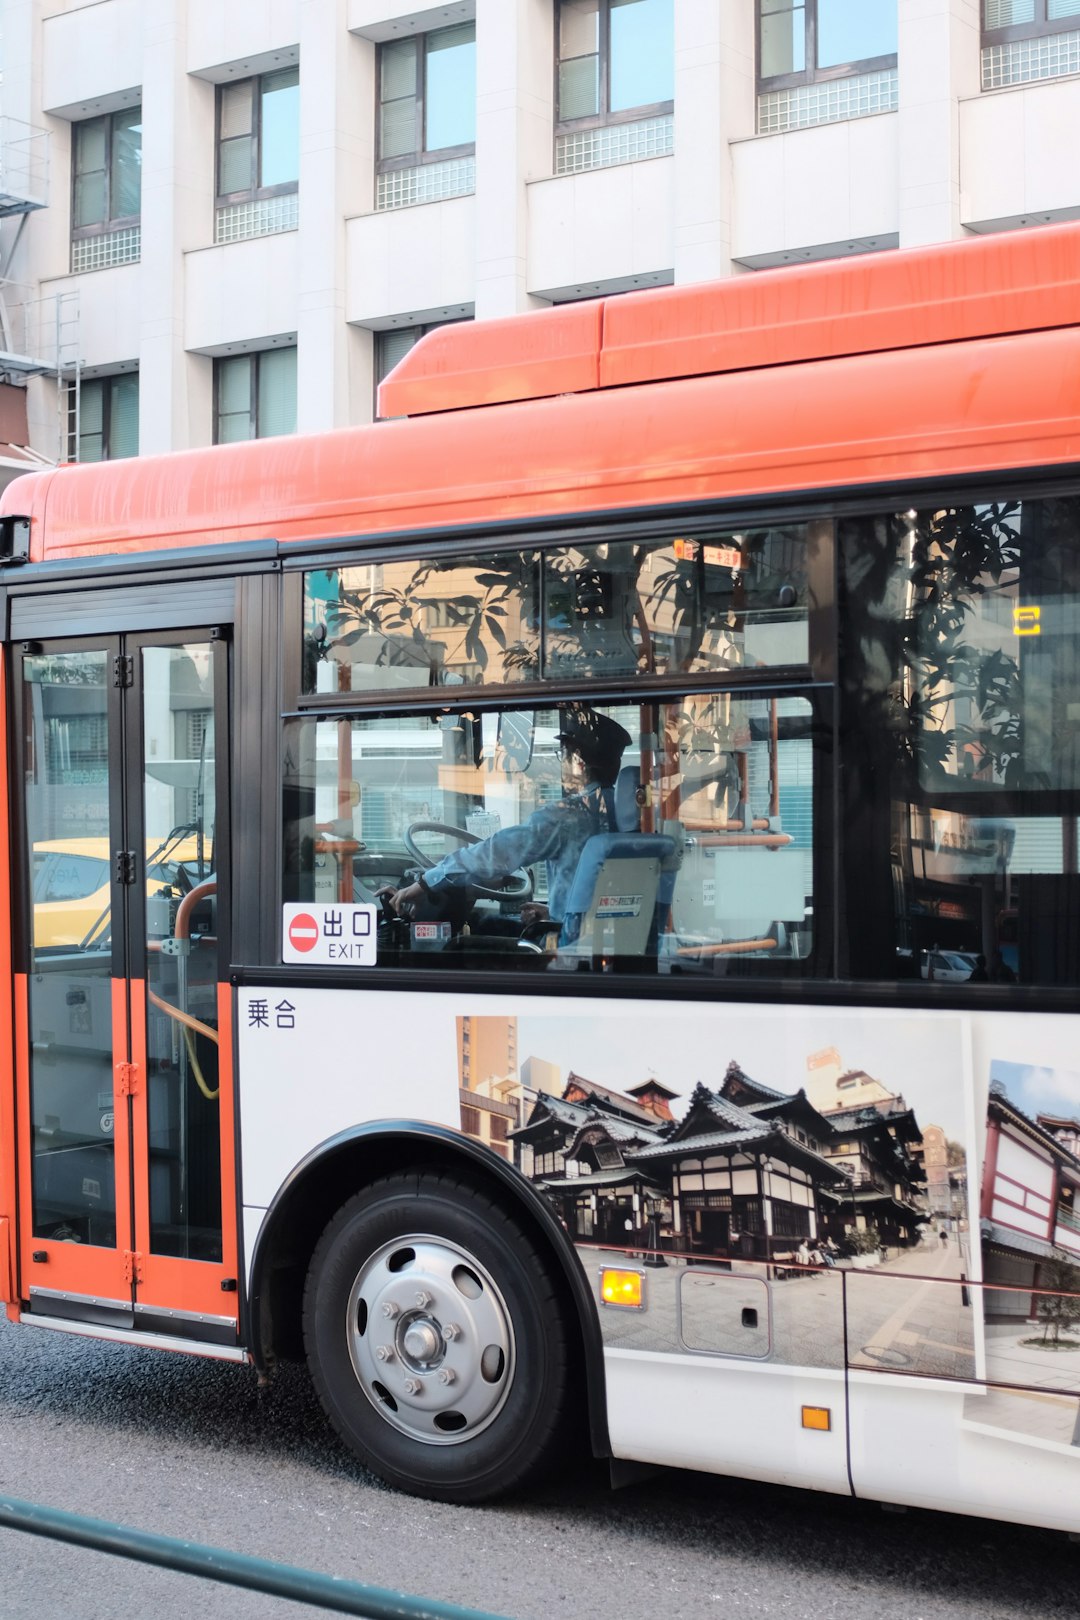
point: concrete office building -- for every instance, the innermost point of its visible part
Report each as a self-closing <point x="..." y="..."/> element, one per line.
<point x="251" y="209"/>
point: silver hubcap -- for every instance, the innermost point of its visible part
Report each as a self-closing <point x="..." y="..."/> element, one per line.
<point x="430" y="1340"/>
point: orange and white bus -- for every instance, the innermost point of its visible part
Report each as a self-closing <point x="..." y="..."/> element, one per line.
<point x="506" y="903"/>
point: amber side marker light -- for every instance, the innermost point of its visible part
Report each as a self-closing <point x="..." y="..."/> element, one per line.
<point x="625" y="1288"/>
<point x="817" y="1417"/>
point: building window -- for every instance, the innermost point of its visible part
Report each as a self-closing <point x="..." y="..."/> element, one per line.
<point x="103" y="418"/>
<point x="427" y="117"/>
<point x="615" y="82"/>
<point x="254" y="395"/>
<point x="106" y="168"/>
<point x="393" y="345"/>
<point x="824" y="60"/>
<point x="258" y="156"/>
<point x="1029" y="39"/>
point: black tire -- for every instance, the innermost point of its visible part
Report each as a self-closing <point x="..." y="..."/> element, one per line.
<point x="462" y="1415"/>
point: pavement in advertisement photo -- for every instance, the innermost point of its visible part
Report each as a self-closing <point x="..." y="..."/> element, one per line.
<point x="907" y="1314"/>
<point x="1050" y="1413"/>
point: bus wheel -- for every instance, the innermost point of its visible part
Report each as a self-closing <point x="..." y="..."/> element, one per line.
<point x="436" y="1339"/>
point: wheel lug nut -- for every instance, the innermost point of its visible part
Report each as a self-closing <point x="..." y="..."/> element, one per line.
<point x="423" y="1299"/>
<point x="447" y="1375"/>
<point x="413" y="1386"/>
<point x="451" y="1332"/>
<point x="383" y="1352"/>
<point x="390" y="1310"/>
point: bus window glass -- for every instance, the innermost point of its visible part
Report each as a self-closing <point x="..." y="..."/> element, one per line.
<point x="672" y="837"/>
<point x="180" y="815"/>
<point x="377" y="627"/>
<point x="993" y="596"/>
<point x="696" y="603"/>
<point x="66" y="808"/>
<point x="961" y="672"/>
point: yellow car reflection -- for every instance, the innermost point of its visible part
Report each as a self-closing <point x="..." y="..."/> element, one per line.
<point x="71" y="893"/>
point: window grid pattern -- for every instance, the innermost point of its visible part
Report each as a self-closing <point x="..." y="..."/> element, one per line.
<point x="1023" y="60"/>
<point x="581" y="149"/>
<point x="264" y="216"/>
<point x="827" y="102"/>
<point x="104" y="251"/>
<point x="427" y="182"/>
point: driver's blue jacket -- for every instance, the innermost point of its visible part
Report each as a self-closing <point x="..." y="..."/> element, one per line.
<point x="556" y="833"/>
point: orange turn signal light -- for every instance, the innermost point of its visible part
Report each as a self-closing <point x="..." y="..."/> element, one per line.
<point x="817" y="1417"/>
<point x="625" y="1288"/>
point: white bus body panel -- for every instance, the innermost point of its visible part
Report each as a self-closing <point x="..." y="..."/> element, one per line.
<point x="738" y="1333"/>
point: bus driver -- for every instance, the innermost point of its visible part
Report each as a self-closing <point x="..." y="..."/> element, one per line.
<point x="591" y="749"/>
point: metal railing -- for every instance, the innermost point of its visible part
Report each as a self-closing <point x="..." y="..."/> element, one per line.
<point x="232" y="1569"/>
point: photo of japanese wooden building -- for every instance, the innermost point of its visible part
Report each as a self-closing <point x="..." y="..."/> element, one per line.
<point x="1030" y="1228"/>
<point x="748" y="1173"/>
<point x="1030" y="1203"/>
<point x="579" y="1147"/>
<point x="876" y="1147"/>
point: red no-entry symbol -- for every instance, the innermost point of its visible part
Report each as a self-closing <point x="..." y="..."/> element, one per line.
<point x="303" y="932"/>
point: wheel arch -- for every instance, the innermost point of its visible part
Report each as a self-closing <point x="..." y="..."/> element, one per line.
<point x="321" y="1182"/>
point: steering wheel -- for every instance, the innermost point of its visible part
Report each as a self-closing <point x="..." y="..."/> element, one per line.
<point x="514" y="886"/>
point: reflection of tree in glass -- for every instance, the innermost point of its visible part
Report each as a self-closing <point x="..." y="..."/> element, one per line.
<point x="619" y="606"/>
<point x="959" y="560"/>
<point x="709" y="602"/>
<point x="390" y="622"/>
<point x="917" y="587"/>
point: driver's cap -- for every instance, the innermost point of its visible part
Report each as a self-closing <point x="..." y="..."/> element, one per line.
<point x="592" y="735"/>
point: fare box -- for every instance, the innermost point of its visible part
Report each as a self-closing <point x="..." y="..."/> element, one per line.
<point x="329" y="934"/>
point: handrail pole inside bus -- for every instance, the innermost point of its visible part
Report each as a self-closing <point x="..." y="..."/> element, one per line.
<point x="345" y="808"/>
<point x="774" y="758"/>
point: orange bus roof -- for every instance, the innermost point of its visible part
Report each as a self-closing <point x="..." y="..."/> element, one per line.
<point x="982" y="378"/>
<point x="983" y="287"/>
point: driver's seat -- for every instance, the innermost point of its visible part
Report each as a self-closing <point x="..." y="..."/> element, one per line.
<point x="622" y="889"/>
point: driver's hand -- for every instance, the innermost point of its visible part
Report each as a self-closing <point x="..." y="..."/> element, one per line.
<point x="533" y="911"/>
<point x="403" y="901"/>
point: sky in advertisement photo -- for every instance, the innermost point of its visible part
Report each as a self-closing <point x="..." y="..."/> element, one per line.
<point x="917" y="1056"/>
<point x="1039" y="1090"/>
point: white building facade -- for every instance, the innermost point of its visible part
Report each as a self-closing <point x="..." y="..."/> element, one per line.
<point x="254" y="207"/>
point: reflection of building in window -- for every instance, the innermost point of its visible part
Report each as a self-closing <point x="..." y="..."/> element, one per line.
<point x="438" y="615"/>
<point x="982" y="851"/>
<point x="721" y="602"/>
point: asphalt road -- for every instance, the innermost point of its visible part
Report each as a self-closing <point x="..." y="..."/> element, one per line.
<point x="190" y="1448"/>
